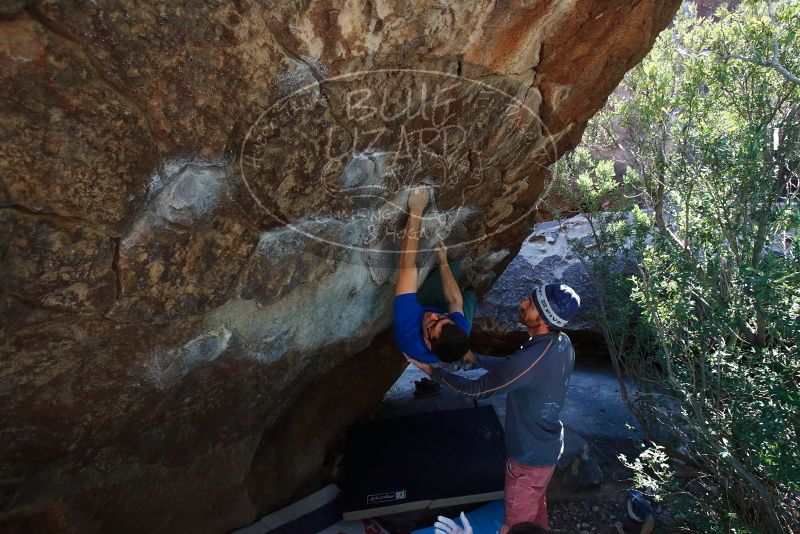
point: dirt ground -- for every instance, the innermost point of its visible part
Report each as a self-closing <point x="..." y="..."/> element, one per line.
<point x="591" y="512"/>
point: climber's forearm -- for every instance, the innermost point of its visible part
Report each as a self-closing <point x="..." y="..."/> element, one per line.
<point x="407" y="274"/>
<point x="450" y="289"/>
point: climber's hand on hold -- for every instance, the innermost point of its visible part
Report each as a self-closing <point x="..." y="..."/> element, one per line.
<point x="448" y="526"/>
<point x="417" y="200"/>
<point x="422" y="366"/>
<point x="441" y="252"/>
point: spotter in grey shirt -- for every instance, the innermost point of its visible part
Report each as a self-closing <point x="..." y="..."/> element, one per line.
<point x="535" y="378"/>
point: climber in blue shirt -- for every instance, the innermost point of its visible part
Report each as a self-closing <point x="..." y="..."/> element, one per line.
<point x="431" y="324"/>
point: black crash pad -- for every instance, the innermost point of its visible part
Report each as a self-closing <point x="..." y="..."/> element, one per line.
<point x="427" y="460"/>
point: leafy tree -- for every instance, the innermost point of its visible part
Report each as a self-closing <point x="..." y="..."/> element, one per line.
<point x="707" y="326"/>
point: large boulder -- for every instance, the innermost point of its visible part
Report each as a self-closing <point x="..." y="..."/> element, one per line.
<point x="198" y="207"/>
<point x="547" y="257"/>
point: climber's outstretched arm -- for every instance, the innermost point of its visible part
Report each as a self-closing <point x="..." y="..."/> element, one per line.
<point x="407" y="275"/>
<point x="450" y="289"/>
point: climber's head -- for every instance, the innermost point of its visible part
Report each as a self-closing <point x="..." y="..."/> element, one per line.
<point x="445" y="339"/>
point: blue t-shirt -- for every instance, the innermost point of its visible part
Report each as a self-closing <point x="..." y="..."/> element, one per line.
<point x="408" y="326"/>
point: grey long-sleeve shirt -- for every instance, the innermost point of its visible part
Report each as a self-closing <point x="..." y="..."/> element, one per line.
<point x="535" y="378"/>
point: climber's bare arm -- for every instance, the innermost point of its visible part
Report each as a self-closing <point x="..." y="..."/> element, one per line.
<point x="407" y="275"/>
<point x="452" y="293"/>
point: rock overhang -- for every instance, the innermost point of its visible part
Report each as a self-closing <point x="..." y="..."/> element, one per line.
<point x="142" y="272"/>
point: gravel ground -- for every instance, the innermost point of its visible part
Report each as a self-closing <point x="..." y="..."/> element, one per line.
<point x="593" y="515"/>
<point x="592" y="512"/>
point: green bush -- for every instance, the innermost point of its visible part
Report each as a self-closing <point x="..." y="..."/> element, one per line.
<point x="708" y="326"/>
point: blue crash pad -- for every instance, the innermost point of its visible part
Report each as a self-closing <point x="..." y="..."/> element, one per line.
<point x="485" y="520"/>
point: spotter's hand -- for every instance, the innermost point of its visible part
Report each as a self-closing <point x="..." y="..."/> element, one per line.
<point x="422" y="366"/>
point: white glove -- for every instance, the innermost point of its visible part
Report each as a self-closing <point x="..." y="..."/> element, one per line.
<point x="448" y="526"/>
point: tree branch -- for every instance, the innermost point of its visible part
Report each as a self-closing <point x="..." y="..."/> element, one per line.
<point x="774" y="62"/>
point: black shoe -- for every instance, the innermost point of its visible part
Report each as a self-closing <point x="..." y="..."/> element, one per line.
<point x="423" y="393"/>
<point x="426" y="388"/>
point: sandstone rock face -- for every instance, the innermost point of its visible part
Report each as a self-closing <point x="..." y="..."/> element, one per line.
<point x="199" y="203"/>
<point x="707" y="8"/>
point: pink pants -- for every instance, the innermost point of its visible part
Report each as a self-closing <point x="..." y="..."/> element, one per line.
<point x="525" y="492"/>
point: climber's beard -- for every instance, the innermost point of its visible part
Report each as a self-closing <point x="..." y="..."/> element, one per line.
<point x="530" y="318"/>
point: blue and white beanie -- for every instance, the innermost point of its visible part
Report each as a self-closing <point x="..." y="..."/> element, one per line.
<point x="557" y="303"/>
